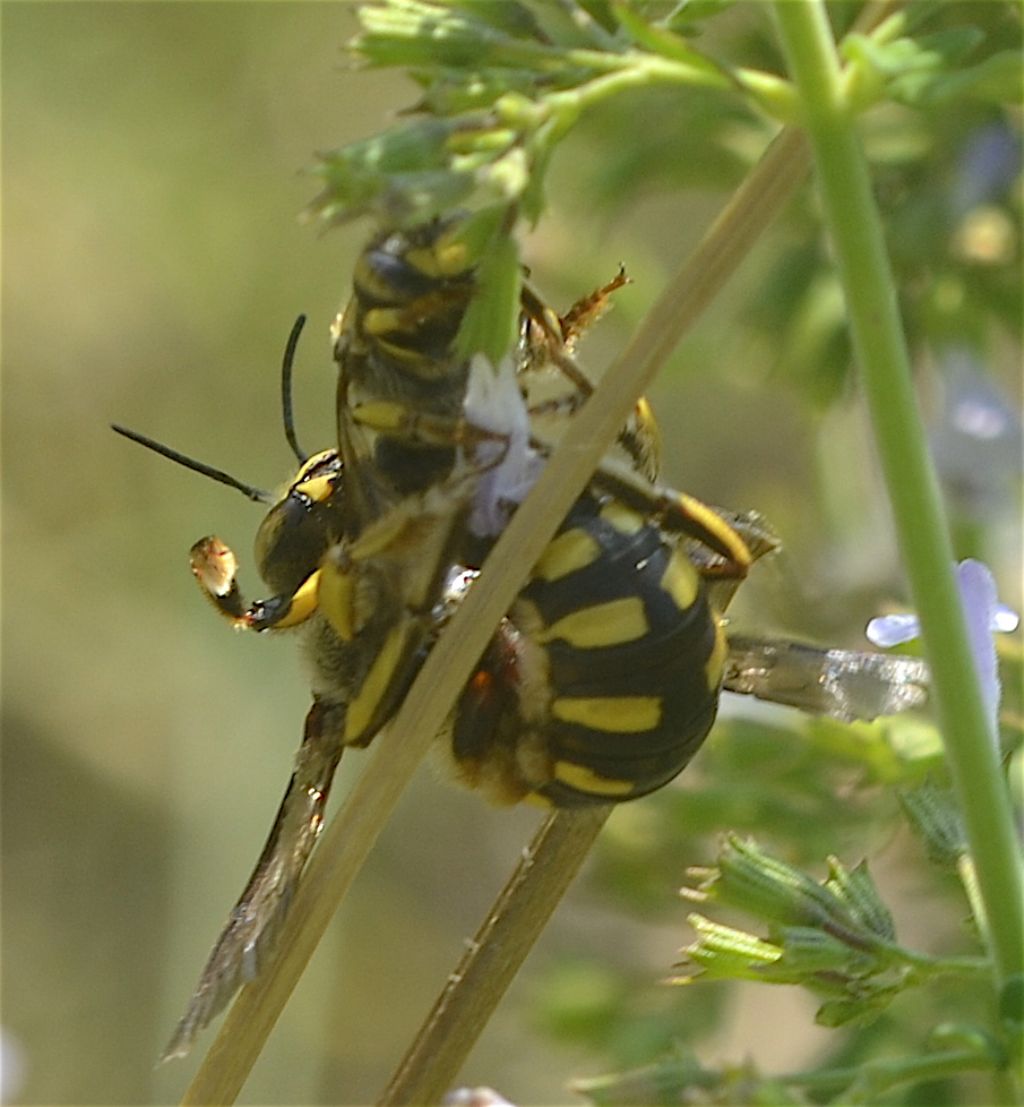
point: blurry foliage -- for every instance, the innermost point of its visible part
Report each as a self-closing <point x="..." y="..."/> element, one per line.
<point x="945" y="150"/>
<point x="947" y="183"/>
<point x="809" y="773"/>
<point x="502" y="83"/>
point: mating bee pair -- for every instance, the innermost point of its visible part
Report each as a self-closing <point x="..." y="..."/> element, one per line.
<point x="604" y="677"/>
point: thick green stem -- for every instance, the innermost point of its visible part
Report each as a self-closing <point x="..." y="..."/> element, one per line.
<point x="868" y="1081"/>
<point x="854" y="225"/>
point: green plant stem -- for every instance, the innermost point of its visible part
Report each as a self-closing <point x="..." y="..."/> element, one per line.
<point x="865" y="1082"/>
<point x="855" y="227"/>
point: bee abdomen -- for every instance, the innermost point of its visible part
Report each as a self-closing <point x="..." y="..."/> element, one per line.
<point x="619" y="663"/>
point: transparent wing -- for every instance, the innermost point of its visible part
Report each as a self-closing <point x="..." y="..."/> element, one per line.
<point x="846" y="684"/>
<point x="251" y="931"/>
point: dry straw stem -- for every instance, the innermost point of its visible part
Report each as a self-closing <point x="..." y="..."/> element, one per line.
<point x="493" y="957"/>
<point x="348" y="840"/>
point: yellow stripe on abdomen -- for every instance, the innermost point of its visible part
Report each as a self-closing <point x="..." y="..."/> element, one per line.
<point x="602" y="624"/>
<point x="567" y="553"/>
<point x="614" y="714"/>
<point x="587" y="781"/>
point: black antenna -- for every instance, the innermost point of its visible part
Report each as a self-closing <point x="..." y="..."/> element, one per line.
<point x="286" y="389"/>
<point x="256" y="494"/>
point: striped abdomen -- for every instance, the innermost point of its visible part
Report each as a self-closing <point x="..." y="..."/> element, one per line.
<point x="604" y="679"/>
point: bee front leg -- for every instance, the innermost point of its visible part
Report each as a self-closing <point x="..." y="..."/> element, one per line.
<point x="215" y="567"/>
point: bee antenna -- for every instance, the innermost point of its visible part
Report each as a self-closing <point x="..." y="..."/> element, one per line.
<point x="286" y="390"/>
<point x="258" y="495"/>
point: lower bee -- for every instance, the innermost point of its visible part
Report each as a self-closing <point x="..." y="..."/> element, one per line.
<point x="363" y="609"/>
<point x="599" y="686"/>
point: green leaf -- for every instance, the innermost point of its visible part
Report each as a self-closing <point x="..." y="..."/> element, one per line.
<point x="723" y="951"/>
<point x="663" y="41"/>
<point x="921" y="72"/>
<point x="929" y="53"/>
<point x="933" y="814"/>
<point x="858" y="892"/>
<point x="1011" y="1005"/>
<point x="490" y="323"/>
<point x="996" y="80"/>
<point x="415" y="33"/>
<point x="859" y="1011"/>
<point x="571" y="25"/>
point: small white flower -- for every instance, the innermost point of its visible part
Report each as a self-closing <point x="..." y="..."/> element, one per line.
<point x="985" y="617"/>
<point x="510" y="466"/>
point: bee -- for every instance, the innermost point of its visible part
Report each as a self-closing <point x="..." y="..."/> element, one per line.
<point x="603" y="679"/>
<point x="401" y="383"/>
<point x="363" y="608"/>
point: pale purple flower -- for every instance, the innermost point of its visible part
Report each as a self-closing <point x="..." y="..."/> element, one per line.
<point x="986" y="616"/>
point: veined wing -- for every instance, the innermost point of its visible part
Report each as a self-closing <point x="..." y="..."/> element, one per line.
<point x="845" y="684"/>
<point x="251" y="931"/>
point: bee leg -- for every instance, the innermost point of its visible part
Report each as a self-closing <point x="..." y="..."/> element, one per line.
<point x="400" y="421"/>
<point x="549" y="335"/>
<point x="587" y="310"/>
<point x="355" y="601"/>
<point x="215" y="567"/>
<point x="697" y="520"/>
<point x="686" y="515"/>
<point x="396" y="420"/>
<point x="381" y="590"/>
<point x="551" y="339"/>
<point x="639" y="438"/>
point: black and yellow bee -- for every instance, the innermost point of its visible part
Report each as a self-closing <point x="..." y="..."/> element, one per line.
<point x="604" y="677"/>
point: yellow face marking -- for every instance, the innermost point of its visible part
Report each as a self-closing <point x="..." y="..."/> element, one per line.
<point x="603" y="624"/>
<point x="304" y="602"/>
<point x="574" y="549"/>
<point x="615" y="714"/>
<point x="364" y="704"/>
<point x="586" y="780"/>
<point x="312" y="463"/>
<point x="680" y="581"/>
<point x="714" y="667"/>
<point x="318" y="489"/>
<point x="624" y="520"/>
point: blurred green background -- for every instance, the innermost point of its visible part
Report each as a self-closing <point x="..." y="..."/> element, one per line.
<point x="153" y="264"/>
